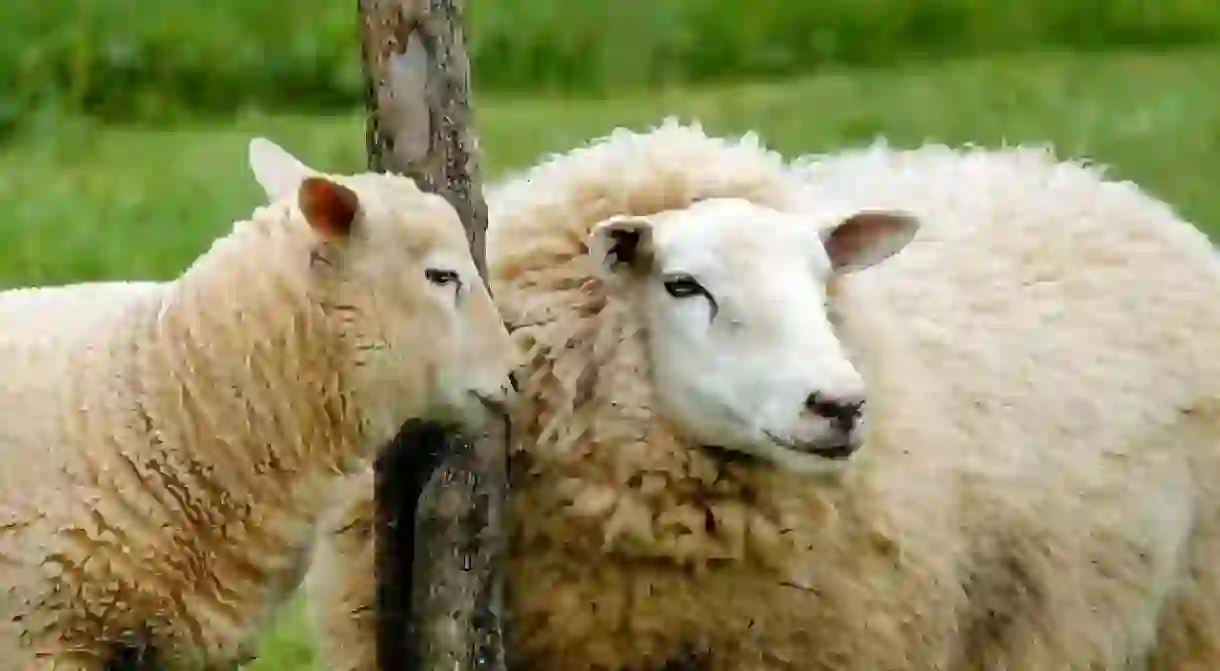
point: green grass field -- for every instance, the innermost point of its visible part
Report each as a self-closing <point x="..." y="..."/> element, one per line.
<point x="159" y="58"/>
<point x="88" y="202"/>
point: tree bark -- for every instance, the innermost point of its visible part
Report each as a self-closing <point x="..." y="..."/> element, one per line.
<point x="439" y="494"/>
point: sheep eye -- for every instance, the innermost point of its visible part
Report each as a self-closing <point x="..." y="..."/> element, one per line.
<point x="442" y="277"/>
<point x="683" y="286"/>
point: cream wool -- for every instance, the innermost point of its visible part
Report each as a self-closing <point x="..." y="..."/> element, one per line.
<point x="1036" y="486"/>
<point x="340" y="600"/>
<point x="168" y="448"/>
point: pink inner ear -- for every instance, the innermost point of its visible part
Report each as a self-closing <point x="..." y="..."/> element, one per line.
<point x="330" y="208"/>
<point x="853" y="239"/>
<point x="850" y="237"/>
<point x="624" y="245"/>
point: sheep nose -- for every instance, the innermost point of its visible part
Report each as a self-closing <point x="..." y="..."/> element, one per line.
<point x="842" y="412"/>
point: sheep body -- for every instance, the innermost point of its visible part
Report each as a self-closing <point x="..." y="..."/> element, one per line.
<point x="168" y="447"/>
<point x="1037" y="485"/>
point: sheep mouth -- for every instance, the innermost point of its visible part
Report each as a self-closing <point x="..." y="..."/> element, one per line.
<point x="730" y="456"/>
<point x="836" y="452"/>
<point x="838" y="449"/>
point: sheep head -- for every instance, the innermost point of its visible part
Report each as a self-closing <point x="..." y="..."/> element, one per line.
<point x="733" y="297"/>
<point x="425" y="340"/>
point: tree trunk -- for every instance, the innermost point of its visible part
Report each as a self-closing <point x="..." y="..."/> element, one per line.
<point x="439" y="495"/>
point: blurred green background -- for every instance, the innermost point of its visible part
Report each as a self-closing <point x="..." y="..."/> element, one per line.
<point x="123" y="124"/>
<point x="149" y="59"/>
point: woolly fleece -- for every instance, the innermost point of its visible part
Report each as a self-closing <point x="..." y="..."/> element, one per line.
<point x="1037" y="487"/>
<point x="168" y="447"/>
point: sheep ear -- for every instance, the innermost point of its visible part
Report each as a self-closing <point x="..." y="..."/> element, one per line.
<point x="276" y="171"/>
<point x="621" y="242"/>
<point x="329" y="207"/>
<point x="867" y="238"/>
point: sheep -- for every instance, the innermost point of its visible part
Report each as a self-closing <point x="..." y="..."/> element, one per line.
<point x="168" y="447"/>
<point x="1032" y="480"/>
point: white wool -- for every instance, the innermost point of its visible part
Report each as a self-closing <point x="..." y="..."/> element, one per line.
<point x="1036" y="487"/>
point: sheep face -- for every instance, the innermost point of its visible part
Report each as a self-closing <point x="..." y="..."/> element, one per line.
<point x="734" y="298"/>
<point x="425" y="340"/>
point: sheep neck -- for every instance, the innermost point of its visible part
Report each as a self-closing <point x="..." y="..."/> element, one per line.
<point x="245" y="408"/>
<point x="255" y="359"/>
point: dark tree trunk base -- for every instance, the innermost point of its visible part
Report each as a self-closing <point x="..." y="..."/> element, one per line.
<point x="402" y="474"/>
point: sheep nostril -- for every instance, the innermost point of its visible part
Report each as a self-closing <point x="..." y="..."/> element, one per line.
<point x="823" y="406"/>
<point x="843" y="413"/>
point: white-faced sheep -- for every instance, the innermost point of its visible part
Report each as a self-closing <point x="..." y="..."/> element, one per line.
<point x="168" y="447"/>
<point x="1039" y="447"/>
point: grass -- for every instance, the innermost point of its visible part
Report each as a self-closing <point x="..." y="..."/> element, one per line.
<point x="91" y="202"/>
<point x="150" y="58"/>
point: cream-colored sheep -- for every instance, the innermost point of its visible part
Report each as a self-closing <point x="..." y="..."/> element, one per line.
<point x="1036" y="481"/>
<point x="168" y="447"/>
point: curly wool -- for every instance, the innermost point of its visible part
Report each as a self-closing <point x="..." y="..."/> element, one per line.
<point x="1037" y="483"/>
<point x="609" y="505"/>
<point x="168" y="448"/>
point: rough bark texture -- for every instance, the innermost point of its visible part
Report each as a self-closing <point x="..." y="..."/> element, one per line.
<point x="440" y="495"/>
